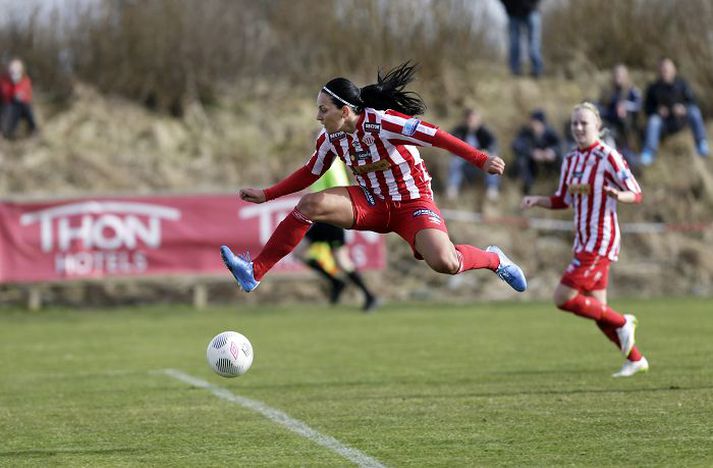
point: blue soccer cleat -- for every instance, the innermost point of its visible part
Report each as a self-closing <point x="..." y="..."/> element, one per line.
<point x="241" y="267"/>
<point x="508" y="271"/>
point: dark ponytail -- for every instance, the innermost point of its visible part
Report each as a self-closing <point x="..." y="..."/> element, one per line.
<point x="387" y="93"/>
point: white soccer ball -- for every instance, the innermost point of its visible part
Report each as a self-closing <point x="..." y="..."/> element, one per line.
<point x="230" y="354"/>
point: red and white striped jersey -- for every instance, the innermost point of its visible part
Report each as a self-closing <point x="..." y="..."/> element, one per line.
<point x="583" y="175"/>
<point x="381" y="153"/>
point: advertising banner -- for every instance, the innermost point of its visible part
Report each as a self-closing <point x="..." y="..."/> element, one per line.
<point x="100" y="237"/>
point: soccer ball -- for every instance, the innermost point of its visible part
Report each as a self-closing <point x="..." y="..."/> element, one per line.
<point x="230" y="354"/>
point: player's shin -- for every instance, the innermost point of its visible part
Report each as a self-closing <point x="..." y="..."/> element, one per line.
<point x="287" y="235"/>
<point x="473" y="258"/>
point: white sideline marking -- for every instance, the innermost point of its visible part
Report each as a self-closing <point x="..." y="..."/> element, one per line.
<point x="281" y="418"/>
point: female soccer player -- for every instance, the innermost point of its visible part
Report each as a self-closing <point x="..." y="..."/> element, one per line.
<point x="594" y="177"/>
<point x="373" y="131"/>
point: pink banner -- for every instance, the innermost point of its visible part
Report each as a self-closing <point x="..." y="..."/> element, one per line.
<point x="102" y="237"/>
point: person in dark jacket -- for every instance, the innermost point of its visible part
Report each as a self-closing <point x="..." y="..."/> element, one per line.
<point x="523" y="15"/>
<point x="537" y="147"/>
<point x="620" y="106"/>
<point x="477" y="135"/>
<point x="670" y="105"/>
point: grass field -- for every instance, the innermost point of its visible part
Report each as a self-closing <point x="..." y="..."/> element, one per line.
<point x="411" y="385"/>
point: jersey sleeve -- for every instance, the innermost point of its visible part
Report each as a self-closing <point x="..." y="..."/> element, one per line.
<point x="619" y="175"/>
<point x="562" y="199"/>
<point x="401" y="129"/>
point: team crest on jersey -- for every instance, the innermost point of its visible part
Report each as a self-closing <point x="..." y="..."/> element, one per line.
<point x="372" y="127"/>
<point x="624" y="175"/>
<point x="410" y="126"/>
<point x="432" y="215"/>
<point x="336" y="136"/>
<point x="368" y="140"/>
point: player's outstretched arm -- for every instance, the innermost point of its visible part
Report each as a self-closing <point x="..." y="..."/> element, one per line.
<point x="489" y="163"/>
<point x="622" y="196"/>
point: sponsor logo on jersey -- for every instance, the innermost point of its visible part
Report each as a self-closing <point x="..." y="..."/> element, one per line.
<point x="380" y="165"/>
<point x="359" y="155"/>
<point x="372" y="127"/>
<point x="336" y="135"/>
<point x="410" y="126"/>
<point x="580" y="189"/>
<point x="369" y="197"/>
<point x="432" y="215"/>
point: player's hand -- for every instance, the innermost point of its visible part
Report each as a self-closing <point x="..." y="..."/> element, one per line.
<point x="494" y="165"/>
<point x="253" y="195"/>
<point x="611" y="192"/>
<point x="529" y="201"/>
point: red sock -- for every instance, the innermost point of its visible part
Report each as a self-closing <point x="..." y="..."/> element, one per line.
<point x="472" y="258"/>
<point x="288" y="234"/>
<point x="610" y="333"/>
<point x="589" y="307"/>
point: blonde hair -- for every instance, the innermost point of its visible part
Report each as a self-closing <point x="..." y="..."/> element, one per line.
<point x="586" y="105"/>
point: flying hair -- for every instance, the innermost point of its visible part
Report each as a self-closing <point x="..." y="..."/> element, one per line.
<point x="389" y="91"/>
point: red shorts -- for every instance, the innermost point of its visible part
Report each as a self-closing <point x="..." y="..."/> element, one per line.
<point x="587" y="272"/>
<point x="404" y="218"/>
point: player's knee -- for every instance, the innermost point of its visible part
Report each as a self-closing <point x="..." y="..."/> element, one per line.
<point x="560" y="300"/>
<point x="444" y="263"/>
<point x="311" y="205"/>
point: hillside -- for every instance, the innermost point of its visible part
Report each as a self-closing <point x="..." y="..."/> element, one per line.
<point x="254" y="135"/>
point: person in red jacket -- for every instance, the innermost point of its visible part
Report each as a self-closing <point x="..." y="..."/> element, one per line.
<point x="374" y="132"/>
<point x="16" y="98"/>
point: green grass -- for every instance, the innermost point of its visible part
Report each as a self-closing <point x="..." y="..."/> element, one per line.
<point x="412" y="385"/>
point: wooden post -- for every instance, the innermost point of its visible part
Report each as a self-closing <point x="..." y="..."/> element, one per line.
<point x="34" y="298"/>
<point x="200" y="296"/>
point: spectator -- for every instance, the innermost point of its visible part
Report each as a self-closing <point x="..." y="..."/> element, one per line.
<point x="537" y="146"/>
<point x="670" y="105"/>
<point x="523" y="14"/>
<point x="477" y="135"/>
<point x="619" y="107"/>
<point x="16" y="98"/>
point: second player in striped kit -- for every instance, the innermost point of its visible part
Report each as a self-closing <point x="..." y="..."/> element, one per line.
<point x="594" y="177"/>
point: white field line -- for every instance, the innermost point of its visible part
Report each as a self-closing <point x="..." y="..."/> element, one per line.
<point x="280" y="418"/>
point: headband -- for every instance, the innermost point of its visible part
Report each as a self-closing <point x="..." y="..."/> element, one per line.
<point x="337" y="97"/>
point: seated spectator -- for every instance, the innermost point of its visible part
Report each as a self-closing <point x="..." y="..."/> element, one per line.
<point x="16" y="98"/>
<point x="537" y="147"/>
<point x="477" y="135"/>
<point x="670" y="105"/>
<point x="619" y="107"/>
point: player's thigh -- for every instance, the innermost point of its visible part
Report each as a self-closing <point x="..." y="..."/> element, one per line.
<point x="331" y="206"/>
